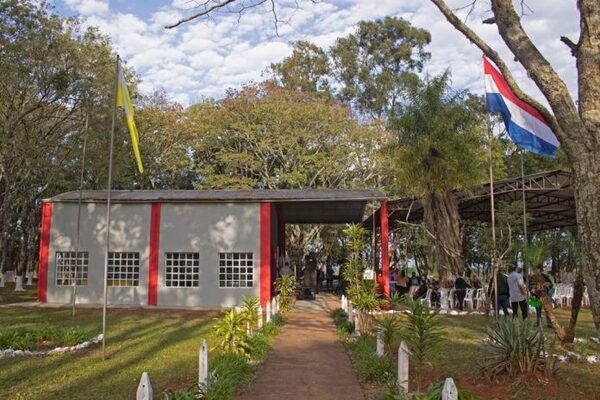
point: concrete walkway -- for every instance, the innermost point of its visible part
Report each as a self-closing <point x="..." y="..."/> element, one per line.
<point x="306" y="361"/>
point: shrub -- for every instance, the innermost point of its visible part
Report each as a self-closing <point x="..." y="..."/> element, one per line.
<point x="434" y="392"/>
<point x="369" y="367"/>
<point x="278" y="320"/>
<point x="286" y="286"/>
<point x="72" y="336"/>
<point x="32" y="338"/>
<point x="514" y="347"/>
<point x="390" y="327"/>
<point x="231" y="330"/>
<point x="258" y="346"/>
<point x="250" y="310"/>
<point x="340" y="319"/>
<point x="421" y="331"/>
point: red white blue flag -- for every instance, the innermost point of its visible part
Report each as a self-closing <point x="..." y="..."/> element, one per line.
<point x="524" y="124"/>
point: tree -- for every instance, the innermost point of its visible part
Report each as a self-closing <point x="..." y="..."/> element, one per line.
<point x="439" y="148"/>
<point x="44" y="96"/>
<point x="374" y="64"/>
<point x="577" y="124"/>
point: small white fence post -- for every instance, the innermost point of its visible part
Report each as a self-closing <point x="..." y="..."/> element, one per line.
<point x="403" y="367"/>
<point x="268" y="312"/>
<point x="349" y="311"/>
<point x="203" y="363"/>
<point x="29" y="279"/>
<point x="380" y="349"/>
<point x="449" y="391"/>
<point x="260" y="317"/>
<point x="144" y="390"/>
<point x="344" y="304"/>
<point x="274" y="305"/>
<point x="356" y="325"/>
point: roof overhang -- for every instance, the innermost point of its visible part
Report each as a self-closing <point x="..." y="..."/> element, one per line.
<point x="549" y="201"/>
<point x="318" y="206"/>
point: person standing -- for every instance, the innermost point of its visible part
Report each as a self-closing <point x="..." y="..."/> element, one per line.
<point x="401" y="283"/>
<point x="517" y="292"/>
<point x="503" y="293"/>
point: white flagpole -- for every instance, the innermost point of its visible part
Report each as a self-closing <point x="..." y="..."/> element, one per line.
<point x="108" y="193"/>
<point x="79" y="212"/>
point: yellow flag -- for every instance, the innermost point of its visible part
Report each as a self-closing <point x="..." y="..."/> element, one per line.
<point x="124" y="101"/>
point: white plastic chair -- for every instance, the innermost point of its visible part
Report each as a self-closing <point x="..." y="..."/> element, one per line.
<point x="427" y="298"/>
<point x="479" y="298"/>
<point x="469" y="298"/>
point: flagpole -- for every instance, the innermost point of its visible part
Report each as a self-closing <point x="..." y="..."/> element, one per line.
<point x="492" y="205"/>
<point x="524" y="212"/>
<point x="108" y="198"/>
<point x="79" y="210"/>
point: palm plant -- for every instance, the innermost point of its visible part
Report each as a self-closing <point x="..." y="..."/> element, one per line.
<point x="389" y="327"/>
<point x="250" y="310"/>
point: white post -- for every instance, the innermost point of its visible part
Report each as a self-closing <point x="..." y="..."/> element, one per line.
<point x="380" y="349"/>
<point x="1" y="280"/>
<point x="203" y="363"/>
<point x="449" y="391"/>
<point x="268" y="312"/>
<point x="19" y="284"/>
<point x="350" y="318"/>
<point x="274" y="305"/>
<point x="444" y="299"/>
<point x="260" y="317"/>
<point x="29" y="279"/>
<point x="144" y="390"/>
<point x="344" y="305"/>
<point x="403" y="368"/>
<point x="356" y="326"/>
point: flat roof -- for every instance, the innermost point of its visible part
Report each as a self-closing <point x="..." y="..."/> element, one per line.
<point x="306" y="206"/>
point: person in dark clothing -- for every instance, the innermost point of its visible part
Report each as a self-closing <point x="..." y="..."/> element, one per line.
<point x="461" y="287"/>
<point x="503" y="293"/>
<point x="536" y="294"/>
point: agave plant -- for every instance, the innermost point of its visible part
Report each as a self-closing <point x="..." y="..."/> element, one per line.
<point x="514" y="347"/>
<point x="231" y="329"/>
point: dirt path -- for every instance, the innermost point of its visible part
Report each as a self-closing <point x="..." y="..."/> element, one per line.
<point x="306" y="361"/>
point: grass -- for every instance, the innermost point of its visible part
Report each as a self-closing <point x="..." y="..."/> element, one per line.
<point x="8" y="294"/>
<point x="462" y="348"/>
<point x="163" y="343"/>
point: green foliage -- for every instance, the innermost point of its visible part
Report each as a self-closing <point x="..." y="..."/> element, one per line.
<point x="45" y="336"/>
<point x="515" y="348"/>
<point x="250" y="307"/>
<point x="231" y="330"/>
<point x="227" y="372"/>
<point x="370" y="367"/>
<point x="394" y="301"/>
<point x="286" y="286"/>
<point x="389" y="327"/>
<point x="434" y="392"/>
<point x="340" y="319"/>
<point x="421" y="332"/>
<point x="258" y="346"/>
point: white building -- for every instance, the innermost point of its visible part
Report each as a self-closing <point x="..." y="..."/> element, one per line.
<point x="203" y="249"/>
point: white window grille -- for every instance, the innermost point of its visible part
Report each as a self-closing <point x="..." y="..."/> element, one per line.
<point x="71" y="267"/>
<point x="123" y="269"/>
<point x="236" y="270"/>
<point x="181" y="269"/>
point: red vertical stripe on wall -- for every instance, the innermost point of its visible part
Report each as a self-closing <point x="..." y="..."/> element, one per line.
<point x="265" y="253"/>
<point x="385" y="257"/>
<point x="153" y="256"/>
<point x="46" y="225"/>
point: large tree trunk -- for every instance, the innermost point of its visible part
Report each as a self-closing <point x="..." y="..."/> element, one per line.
<point x="442" y="220"/>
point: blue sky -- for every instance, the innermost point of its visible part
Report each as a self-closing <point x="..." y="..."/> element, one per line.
<point x="205" y="57"/>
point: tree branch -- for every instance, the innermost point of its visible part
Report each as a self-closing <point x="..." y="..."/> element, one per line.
<point x="573" y="46"/>
<point x="495" y="57"/>
<point x="205" y="11"/>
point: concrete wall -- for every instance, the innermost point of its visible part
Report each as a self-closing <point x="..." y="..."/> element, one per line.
<point x="130" y="231"/>
<point x="204" y="228"/>
<point x="208" y="229"/>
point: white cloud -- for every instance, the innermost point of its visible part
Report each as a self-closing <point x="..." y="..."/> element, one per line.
<point x="88" y="7"/>
<point x="205" y="57"/>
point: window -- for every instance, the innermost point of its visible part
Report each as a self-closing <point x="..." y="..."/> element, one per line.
<point x="181" y="269"/>
<point x="123" y="269"/>
<point x="70" y="263"/>
<point x="236" y="270"/>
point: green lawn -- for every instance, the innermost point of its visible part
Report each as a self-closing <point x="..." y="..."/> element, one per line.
<point x="8" y="294"/>
<point x="462" y="349"/>
<point x="163" y="343"/>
